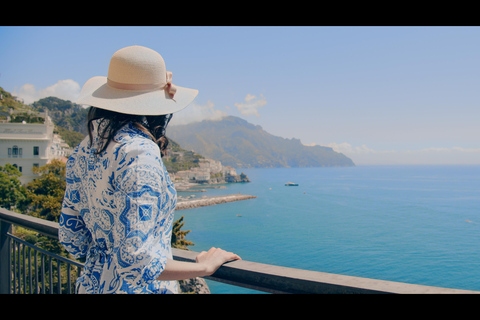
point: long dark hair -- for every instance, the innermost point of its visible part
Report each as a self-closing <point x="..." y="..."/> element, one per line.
<point x="153" y="126"/>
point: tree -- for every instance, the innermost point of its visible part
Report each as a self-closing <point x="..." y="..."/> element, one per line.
<point x="195" y="285"/>
<point x="44" y="199"/>
<point x="11" y="191"/>
<point x="45" y="194"/>
<point x="178" y="236"/>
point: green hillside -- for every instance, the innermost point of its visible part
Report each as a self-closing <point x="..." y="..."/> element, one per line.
<point x="64" y="113"/>
<point x="7" y="102"/>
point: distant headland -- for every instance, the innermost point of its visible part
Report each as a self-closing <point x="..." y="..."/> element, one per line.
<point x="240" y="144"/>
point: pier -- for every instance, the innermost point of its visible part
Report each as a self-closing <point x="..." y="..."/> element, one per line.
<point x="209" y="201"/>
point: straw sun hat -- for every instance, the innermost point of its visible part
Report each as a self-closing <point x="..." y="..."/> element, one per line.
<point x="137" y="83"/>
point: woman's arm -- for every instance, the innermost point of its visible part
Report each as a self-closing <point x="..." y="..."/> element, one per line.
<point x="72" y="232"/>
<point x="206" y="264"/>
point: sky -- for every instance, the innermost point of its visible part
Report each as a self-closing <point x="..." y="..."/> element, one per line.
<point x="396" y="95"/>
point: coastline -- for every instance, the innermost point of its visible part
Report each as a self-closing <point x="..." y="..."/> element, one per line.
<point x="209" y="201"/>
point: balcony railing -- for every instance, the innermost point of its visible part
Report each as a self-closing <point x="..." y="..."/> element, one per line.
<point x="26" y="268"/>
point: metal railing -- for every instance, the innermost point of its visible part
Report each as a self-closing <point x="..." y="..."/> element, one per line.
<point x="34" y="270"/>
<point x="27" y="268"/>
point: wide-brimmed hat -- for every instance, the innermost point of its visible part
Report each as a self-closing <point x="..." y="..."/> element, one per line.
<point x="137" y="83"/>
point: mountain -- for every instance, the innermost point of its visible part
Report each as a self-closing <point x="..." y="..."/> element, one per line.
<point x="64" y="113"/>
<point x="240" y="144"/>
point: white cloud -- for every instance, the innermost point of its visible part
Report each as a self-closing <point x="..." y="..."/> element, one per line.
<point x="251" y="105"/>
<point x="249" y="97"/>
<point x="196" y="113"/>
<point x="63" y="89"/>
<point x="434" y="155"/>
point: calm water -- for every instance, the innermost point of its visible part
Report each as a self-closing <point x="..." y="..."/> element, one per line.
<point x="413" y="224"/>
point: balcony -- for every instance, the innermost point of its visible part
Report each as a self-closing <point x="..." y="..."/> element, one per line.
<point x="26" y="268"/>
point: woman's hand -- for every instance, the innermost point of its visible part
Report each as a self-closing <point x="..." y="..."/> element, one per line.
<point x="214" y="258"/>
<point x="206" y="264"/>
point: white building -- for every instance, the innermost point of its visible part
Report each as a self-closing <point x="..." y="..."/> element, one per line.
<point x="208" y="169"/>
<point x="28" y="145"/>
<point x="210" y="165"/>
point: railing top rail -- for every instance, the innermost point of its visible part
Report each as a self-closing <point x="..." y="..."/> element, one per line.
<point x="48" y="228"/>
<point x="265" y="277"/>
<point x="277" y="279"/>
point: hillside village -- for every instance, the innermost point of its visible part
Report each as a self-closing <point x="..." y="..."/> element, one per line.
<point x="208" y="172"/>
<point x="30" y="138"/>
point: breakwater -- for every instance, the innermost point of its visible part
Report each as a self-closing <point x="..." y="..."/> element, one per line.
<point x="209" y="201"/>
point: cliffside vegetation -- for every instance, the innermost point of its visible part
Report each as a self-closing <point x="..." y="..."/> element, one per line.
<point x="179" y="159"/>
<point x="69" y="118"/>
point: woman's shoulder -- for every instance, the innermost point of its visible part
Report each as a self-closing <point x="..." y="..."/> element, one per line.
<point x="131" y="142"/>
<point x="137" y="162"/>
<point x="129" y="132"/>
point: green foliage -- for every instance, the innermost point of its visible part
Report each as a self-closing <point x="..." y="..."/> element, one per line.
<point x="8" y="101"/>
<point x="45" y="194"/>
<point x="72" y="138"/>
<point x="178" y="236"/>
<point x="179" y="159"/>
<point x="216" y="175"/>
<point x="69" y="118"/>
<point x="64" y="113"/>
<point x="12" y="193"/>
<point x="27" y="117"/>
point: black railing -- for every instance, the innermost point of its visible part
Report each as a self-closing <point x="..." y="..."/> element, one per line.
<point x="34" y="270"/>
<point x="27" y="268"/>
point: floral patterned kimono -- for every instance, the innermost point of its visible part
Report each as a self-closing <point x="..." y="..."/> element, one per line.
<point x="118" y="212"/>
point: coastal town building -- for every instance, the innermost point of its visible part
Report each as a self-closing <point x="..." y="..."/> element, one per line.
<point x="208" y="171"/>
<point x="27" y="145"/>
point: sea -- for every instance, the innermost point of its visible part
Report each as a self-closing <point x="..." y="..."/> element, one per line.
<point x="411" y="224"/>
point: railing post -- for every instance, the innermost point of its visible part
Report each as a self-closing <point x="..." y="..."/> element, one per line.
<point x="4" y="257"/>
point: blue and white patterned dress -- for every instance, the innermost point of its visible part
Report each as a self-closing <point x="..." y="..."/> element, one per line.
<point x="118" y="212"/>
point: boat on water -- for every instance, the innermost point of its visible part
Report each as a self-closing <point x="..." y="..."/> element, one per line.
<point x="291" y="184"/>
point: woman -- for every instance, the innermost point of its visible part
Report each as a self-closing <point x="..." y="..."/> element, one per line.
<point x="119" y="200"/>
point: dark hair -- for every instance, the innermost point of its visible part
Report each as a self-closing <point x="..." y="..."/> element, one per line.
<point x="153" y="126"/>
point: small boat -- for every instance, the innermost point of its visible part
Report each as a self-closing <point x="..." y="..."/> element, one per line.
<point x="291" y="184"/>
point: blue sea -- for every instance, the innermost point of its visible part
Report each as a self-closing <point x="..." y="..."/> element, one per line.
<point x="413" y="224"/>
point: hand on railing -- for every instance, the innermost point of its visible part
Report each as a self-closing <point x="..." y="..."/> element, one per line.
<point x="214" y="258"/>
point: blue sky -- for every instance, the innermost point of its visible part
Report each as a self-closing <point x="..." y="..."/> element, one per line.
<point x="381" y="95"/>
